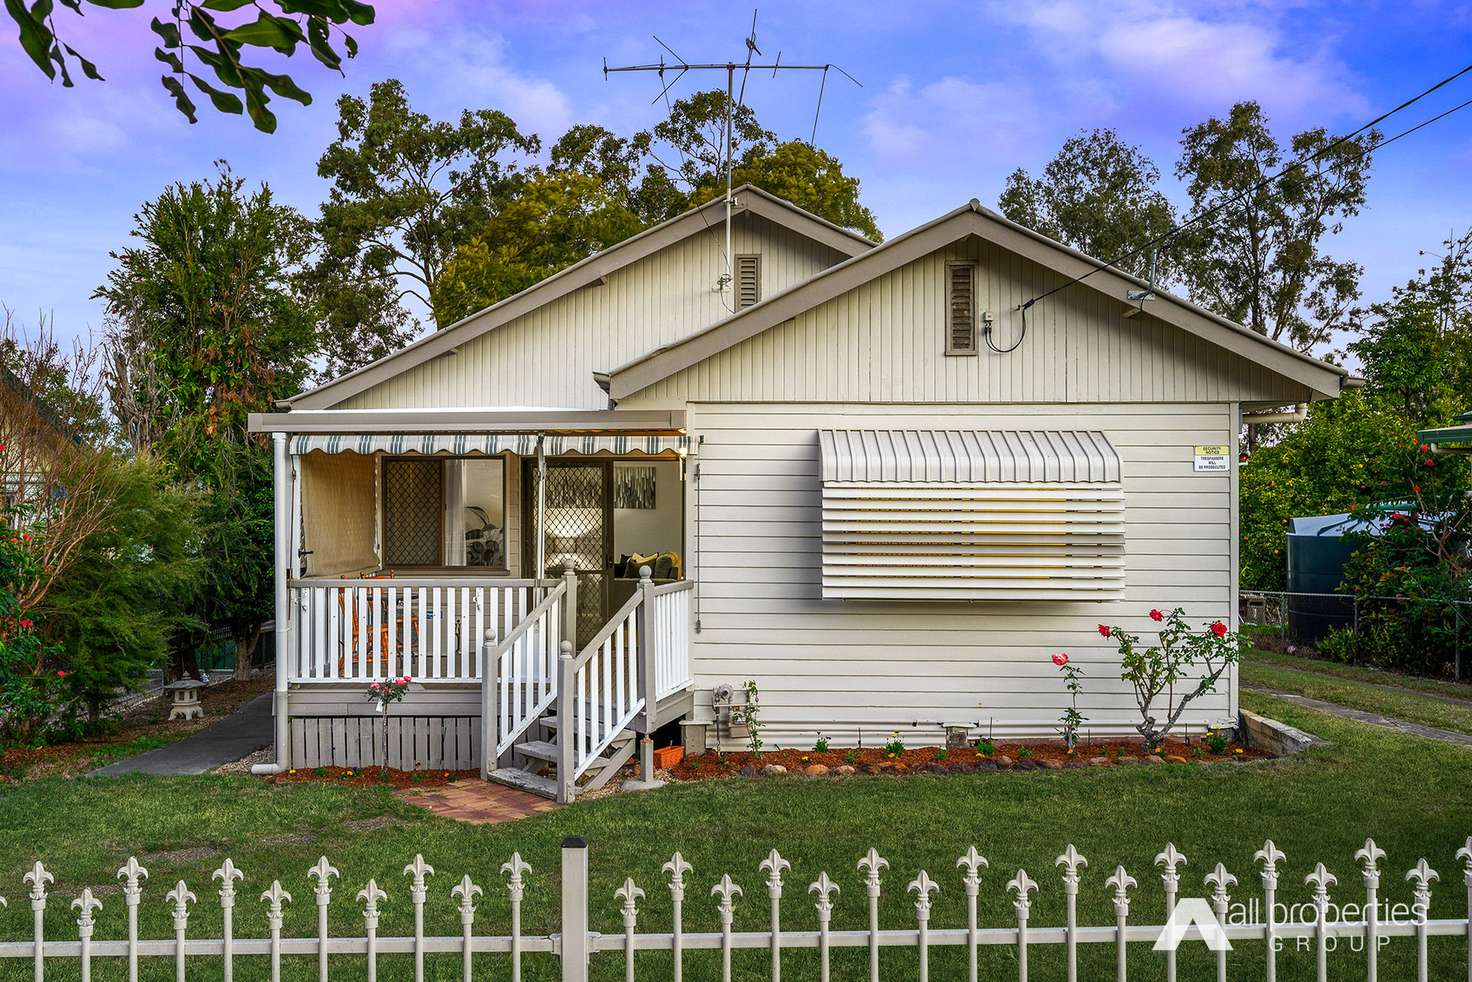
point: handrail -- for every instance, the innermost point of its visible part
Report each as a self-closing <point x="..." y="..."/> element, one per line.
<point x="531" y="618"/>
<point x="328" y="582"/>
<point x="674" y="587"/>
<point x="606" y="631"/>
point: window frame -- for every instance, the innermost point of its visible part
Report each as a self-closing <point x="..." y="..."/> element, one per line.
<point x="440" y="460"/>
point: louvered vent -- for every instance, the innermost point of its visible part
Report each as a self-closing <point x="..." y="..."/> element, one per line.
<point x="971" y="515"/>
<point x="961" y="328"/>
<point x="748" y="280"/>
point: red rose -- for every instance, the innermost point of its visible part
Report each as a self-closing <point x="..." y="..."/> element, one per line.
<point x="61" y="673"/>
<point x="1219" y="629"/>
<point x="1104" y="630"/>
<point x="1430" y="462"/>
<point x="1156" y="615"/>
<point x="1416" y="488"/>
<point x="1425" y="447"/>
<point x="25" y="622"/>
<point x="1060" y="659"/>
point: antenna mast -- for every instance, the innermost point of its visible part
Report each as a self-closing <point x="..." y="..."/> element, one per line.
<point x="728" y="130"/>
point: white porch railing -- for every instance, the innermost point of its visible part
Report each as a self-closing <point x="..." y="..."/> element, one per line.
<point x="604" y="689"/>
<point x="430" y="628"/>
<point x="968" y="908"/>
<point x="669" y="636"/>
<point x="524" y="669"/>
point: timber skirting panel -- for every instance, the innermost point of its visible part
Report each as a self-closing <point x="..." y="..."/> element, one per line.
<point x="415" y="742"/>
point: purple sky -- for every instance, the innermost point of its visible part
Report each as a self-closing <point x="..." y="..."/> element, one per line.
<point x="954" y="97"/>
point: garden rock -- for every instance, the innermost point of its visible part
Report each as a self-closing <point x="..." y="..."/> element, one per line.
<point x="1003" y="761"/>
<point x="1151" y="760"/>
<point x="1098" y="761"/>
<point x="845" y="770"/>
<point x="774" y="770"/>
<point x="1176" y="759"/>
<point x="749" y="770"/>
<point x="1052" y="765"/>
<point x="815" y="770"/>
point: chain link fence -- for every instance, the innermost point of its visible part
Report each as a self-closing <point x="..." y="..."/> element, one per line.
<point x="1423" y="636"/>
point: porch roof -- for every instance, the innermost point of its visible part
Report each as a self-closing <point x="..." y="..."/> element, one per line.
<point x="490" y="444"/>
<point x="494" y="420"/>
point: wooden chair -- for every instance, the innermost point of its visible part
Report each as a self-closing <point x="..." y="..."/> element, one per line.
<point x="360" y="666"/>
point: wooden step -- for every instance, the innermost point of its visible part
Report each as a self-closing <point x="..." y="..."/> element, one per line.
<point x="515" y="777"/>
<point x="538" y="749"/>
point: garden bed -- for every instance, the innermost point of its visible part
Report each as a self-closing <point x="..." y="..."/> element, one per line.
<point x="960" y="760"/>
<point x="372" y="777"/>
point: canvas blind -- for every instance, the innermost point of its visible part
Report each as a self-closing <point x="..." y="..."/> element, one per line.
<point x="971" y="515"/>
<point x="522" y="444"/>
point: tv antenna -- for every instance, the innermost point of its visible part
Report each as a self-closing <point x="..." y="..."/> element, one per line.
<point x="680" y="67"/>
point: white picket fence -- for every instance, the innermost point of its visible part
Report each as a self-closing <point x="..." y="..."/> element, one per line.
<point x="575" y="945"/>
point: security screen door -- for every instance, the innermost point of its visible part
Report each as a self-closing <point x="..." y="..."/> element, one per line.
<point x="578" y="530"/>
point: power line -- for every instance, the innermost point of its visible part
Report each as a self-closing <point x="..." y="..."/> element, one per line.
<point x="1292" y="166"/>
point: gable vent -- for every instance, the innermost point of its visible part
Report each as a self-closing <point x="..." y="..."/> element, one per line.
<point x="961" y="327"/>
<point x="748" y="280"/>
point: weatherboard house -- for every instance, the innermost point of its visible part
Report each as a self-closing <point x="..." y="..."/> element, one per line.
<point x="868" y="478"/>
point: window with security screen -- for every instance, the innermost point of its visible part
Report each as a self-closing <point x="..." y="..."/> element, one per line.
<point x="413" y="512"/>
<point x="971" y="515"/>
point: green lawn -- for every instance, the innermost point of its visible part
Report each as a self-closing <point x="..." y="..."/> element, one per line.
<point x="1414" y="797"/>
<point x="1405" y="697"/>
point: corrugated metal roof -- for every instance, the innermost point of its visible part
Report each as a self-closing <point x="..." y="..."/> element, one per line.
<point x="968" y="456"/>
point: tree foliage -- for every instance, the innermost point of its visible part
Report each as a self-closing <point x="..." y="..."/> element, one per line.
<point x="194" y="42"/>
<point x="1100" y="196"/>
<point x="408" y="190"/>
<point x="1260" y="261"/>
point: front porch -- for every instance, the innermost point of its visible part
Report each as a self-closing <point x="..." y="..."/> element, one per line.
<point x="498" y="570"/>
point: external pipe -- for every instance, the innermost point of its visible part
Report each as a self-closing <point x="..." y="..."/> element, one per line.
<point x="281" y="496"/>
<point x="1299" y="414"/>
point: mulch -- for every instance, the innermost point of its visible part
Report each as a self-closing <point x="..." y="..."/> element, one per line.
<point x="145" y="720"/>
<point x="363" y="777"/>
<point x="968" y="759"/>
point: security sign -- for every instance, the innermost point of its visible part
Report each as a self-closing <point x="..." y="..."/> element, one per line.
<point x="1212" y="459"/>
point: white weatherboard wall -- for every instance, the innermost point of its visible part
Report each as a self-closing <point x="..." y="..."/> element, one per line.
<point x="547" y="357"/>
<point x="842" y="666"/>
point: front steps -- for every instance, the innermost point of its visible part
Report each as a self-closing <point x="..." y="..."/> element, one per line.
<point x="539" y="773"/>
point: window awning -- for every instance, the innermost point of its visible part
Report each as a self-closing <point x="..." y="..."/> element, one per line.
<point x="967" y="456"/>
<point x="523" y="444"/>
<point x="971" y="515"/>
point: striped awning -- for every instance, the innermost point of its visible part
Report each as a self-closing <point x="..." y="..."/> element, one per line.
<point x="967" y="456"/>
<point x="490" y="444"/>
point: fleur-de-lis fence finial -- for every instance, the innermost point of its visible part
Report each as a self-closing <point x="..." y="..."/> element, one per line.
<point x="1465" y="855"/>
<point x="323" y="873"/>
<point x="1170" y="860"/>
<point x="1423" y="876"/>
<point x="1122" y="883"/>
<point x="1219" y="880"/>
<point x="677" y="868"/>
<point x="1369" y="856"/>
<point x="1071" y="861"/>
<point x="38" y="877"/>
<point x="630" y="894"/>
<point x="227" y="874"/>
<point x="419" y="870"/>
<point x="1020" y="886"/>
<point x="371" y="894"/>
<point x="467" y="892"/>
<point x="275" y="898"/>
<point x="871" y="865"/>
<point x="923" y="886"/>
<point x="773" y="866"/>
<point x="974" y="862"/>
<point x="1321" y="880"/>
<point x="726" y="890"/>
<point x="132" y="876"/>
<point x="1270" y="856"/>
<point x="181" y="897"/>
<point x="825" y="888"/>
<point x="517" y="868"/>
<point x="85" y="905"/>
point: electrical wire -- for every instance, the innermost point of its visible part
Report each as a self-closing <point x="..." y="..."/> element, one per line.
<point x="1292" y="166"/>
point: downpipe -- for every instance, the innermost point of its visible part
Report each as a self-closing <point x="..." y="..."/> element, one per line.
<point x="1298" y="415"/>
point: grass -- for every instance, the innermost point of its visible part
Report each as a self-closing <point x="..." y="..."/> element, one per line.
<point x="1412" y="699"/>
<point x="1410" y="794"/>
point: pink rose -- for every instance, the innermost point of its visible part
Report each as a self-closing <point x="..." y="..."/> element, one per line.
<point x="1060" y="659"/>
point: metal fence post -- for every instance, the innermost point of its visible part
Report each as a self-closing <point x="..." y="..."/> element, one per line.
<point x="575" y="948"/>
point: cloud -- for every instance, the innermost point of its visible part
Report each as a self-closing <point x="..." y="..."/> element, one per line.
<point x="1198" y="57"/>
<point x="919" y="129"/>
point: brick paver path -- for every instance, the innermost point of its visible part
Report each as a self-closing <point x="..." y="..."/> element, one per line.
<point x="478" y="802"/>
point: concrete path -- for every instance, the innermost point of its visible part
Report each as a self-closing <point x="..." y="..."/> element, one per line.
<point x="1362" y="716"/>
<point x="243" y="732"/>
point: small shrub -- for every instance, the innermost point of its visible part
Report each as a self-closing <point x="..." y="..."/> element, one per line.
<point x="895" y="747"/>
<point x="749" y="716"/>
<point x="986" y="748"/>
<point x="1072" y="719"/>
<point x="1024" y="753"/>
<point x="820" y="746"/>
<point x="942" y="754"/>
<point x="851" y="756"/>
<point x="1217" y="742"/>
<point x="1339" y="645"/>
<point x="319" y="772"/>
